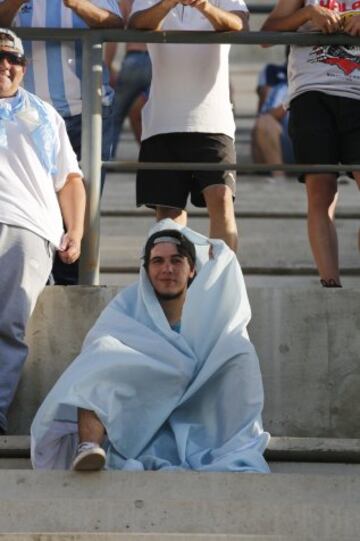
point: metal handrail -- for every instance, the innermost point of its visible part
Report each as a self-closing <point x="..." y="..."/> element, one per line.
<point x="188" y="36"/>
<point x="92" y="40"/>
<point x="131" y="166"/>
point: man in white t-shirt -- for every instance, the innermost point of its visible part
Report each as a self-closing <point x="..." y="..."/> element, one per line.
<point x="40" y="187"/>
<point x="54" y="71"/>
<point x="188" y="116"/>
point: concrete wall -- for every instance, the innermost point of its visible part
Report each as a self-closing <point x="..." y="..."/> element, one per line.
<point x="308" y="342"/>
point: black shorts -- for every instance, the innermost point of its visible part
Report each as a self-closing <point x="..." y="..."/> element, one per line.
<point x="325" y="129"/>
<point x="172" y="188"/>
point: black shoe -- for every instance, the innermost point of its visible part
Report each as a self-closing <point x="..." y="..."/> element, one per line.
<point x="2" y="431"/>
<point x="330" y="283"/>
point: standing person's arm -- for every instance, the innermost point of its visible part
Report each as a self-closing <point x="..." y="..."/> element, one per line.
<point x="152" y="18"/>
<point x="221" y="19"/>
<point x="351" y="25"/>
<point x="8" y="10"/>
<point x="109" y="55"/>
<point x="72" y="201"/>
<point x="94" y="16"/>
<point x="289" y="15"/>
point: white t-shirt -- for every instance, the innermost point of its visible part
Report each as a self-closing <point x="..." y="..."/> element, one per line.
<point x="27" y="191"/>
<point x="332" y="69"/>
<point x="190" y="82"/>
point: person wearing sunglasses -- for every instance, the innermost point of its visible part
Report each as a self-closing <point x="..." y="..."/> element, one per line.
<point x="41" y="187"/>
<point x="54" y="72"/>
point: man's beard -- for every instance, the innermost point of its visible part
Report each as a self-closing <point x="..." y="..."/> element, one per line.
<point x="168" y="296"/>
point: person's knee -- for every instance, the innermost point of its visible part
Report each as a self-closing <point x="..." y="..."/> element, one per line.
<point x="322" y="192"/>
<point x="176" y="214"/>
<point x="218" y="198"/>
<point x="267" y="126"/>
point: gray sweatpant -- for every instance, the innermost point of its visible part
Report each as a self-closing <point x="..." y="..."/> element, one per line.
<point x="25" y="265"/>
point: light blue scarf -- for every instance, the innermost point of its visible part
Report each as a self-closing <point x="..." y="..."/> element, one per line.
<point x="31" y="112"/>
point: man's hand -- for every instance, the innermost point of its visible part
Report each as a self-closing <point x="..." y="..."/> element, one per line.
<point x="326" y="20"/>
<point x="194" y="3"/>
<point x="70" y="248"/>
<point x="220" y="19"/>
<point x="152" y="18"/>
<point x="351" y="25"/>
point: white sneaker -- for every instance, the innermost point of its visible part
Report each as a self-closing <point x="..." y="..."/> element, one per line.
<point x="89" y="457"/>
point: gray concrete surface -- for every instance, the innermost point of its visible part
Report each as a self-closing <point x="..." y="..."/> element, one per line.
<point x="265" y="244"/>
<point x="297" y="281"/>
<point x="280" y="450"/>
<point x="138" y="537"/>
<point x="315" y="506"/>
<point x="308" y="342"/>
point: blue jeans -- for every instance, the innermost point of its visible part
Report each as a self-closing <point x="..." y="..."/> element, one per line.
<point x="134" y="79"/>
<point x="62" y="273"/>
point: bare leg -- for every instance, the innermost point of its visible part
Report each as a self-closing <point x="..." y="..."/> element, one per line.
<point x="256" y="154"/>
<point x="178" y="215"/>
<point x="266" y="141"/>
<point x="220" y="205"/>
<point x="322" y="198"/>
<point x="90" y="427"/>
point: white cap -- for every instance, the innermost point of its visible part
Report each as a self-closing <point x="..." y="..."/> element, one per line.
<point x="9" y="39"/>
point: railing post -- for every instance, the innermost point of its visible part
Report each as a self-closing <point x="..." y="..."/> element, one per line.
<point x="91" y="156"/>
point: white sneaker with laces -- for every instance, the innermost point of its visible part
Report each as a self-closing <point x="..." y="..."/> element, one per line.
<point x="89" y="457"/>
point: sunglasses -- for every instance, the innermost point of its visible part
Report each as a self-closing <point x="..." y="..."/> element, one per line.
<point x="16" y="59"/>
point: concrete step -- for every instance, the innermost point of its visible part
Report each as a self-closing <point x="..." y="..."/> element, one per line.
<point x="266" y="245"/>
<point x="314" y="507"/>
<point x="281" y="281"/>
<point x="280" y="449"/>
<point x="307" y="340"/>
<point x="137" y="537"/>
<point x="256" y="195"/>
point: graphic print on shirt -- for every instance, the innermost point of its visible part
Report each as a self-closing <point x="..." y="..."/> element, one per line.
<point x="346" y="58"/>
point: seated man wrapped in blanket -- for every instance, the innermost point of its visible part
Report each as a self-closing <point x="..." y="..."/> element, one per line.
<point x="167" y="378"/>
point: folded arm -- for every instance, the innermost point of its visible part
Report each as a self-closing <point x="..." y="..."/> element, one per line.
<point x="221" y="19"/>
<point x="8" y="10"/>
<point x="289" y="15"/>
<point x="94" y="16"/>
<point x="152" y="18"/>
<point x="352" y="25"/>
<point x="72" y="200"/>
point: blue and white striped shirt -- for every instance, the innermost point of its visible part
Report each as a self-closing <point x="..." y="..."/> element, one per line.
<point x="54" y="71"/>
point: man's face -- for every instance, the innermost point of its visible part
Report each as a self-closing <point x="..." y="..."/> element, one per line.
<point x="168" y="271"/>
<point x="11" y="74"/>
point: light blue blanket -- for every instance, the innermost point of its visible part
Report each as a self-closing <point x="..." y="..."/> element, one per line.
<point x="168" y="400"/>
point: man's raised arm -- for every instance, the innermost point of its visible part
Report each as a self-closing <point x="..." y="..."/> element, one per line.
<point x="8" y="10"/>
<point x="152" y="17"/>
<point x="94" y="16"/>
<point x="289" y="15"/>
<point x="221" y="19"/>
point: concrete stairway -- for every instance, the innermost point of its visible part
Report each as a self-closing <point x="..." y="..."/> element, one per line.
<point x="310" y="367"/>
<point x="312" y="507"/>
<point x="308" y="342"/>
